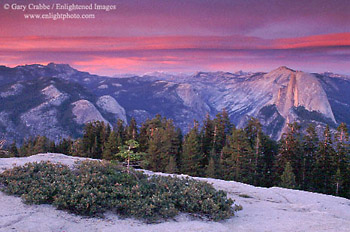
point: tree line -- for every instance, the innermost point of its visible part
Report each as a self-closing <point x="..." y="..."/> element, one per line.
<point x="218" y="149"/>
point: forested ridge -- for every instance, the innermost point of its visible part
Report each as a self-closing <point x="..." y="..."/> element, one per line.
<point x="217" y="149"/>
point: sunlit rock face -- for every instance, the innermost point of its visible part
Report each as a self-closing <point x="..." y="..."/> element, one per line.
<point x="110" y="105"/>
<point x="300" y="89"/>
<point x="85" y="112"/>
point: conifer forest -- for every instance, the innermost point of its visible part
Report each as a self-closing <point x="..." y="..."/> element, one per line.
<point x="216" y="148"/>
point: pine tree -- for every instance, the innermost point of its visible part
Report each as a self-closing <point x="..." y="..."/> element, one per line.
<point x="41" y="145"/>
<point x="94" y="137"/>
<point x="338" y="180"/>
<point x="147" y="131"/>
<point x="23" y="149"/>
<point x="143" y="137"/>
<point x="266" y="167"/>
<point x="120" y="130"/>
<point x="172" y="166"/>
<point x="207" y="135"/>
<point x="126" y="152"/>
<point x="103" y="135"/>
<point x="288" y="177"/>
<point x="28" y="148"/>
<point x="265" y="150"/>
<point x="88" y="139"/>
<point x="65" y="146"/>
<point x="237" y="158"/>
<point x="111" y="146"/>
<point x="52" y="147"/>
<point x="131" y="130"/>
<point x="226" y="122"/>
<point x="13" y="149"/>
<point x="211" y="169"/>
<point x="162" y="140"/>
<point x="222" y="128"/>
<point x="342" y="158"/>
<point x="154" y="159"/>
<point x="77" y="148"/>
<point x="254" y="134"/>
<point x="191" y="154"/>
<point x="346" y="181"/>
<point x="310" y="147"/>
<point x="325" y="164"/>
<point x="96" y="149"/>
<point x="291" y="150"/>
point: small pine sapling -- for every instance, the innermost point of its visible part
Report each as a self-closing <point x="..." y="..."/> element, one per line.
<point x="127" y="153"/>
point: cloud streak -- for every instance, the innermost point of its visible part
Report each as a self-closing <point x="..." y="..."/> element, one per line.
<point x="38" y="43"/>
<point x="109" y="55"/>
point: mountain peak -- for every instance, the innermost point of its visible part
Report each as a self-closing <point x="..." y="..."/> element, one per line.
<point x="52" y="66"/>
<point x="280" y="75"/>
<point x="284" y="68"/>
<point x="60" y="66"/>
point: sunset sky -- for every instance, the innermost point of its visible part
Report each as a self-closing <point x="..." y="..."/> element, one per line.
<point x="183" y="36"/>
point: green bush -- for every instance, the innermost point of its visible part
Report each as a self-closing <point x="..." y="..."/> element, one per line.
<point x="95" y="187"/>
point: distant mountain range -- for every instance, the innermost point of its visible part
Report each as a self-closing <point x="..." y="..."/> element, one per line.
<point x="56" y="100"/>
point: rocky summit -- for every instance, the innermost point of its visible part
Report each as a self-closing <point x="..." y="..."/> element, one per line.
<point x="56" y="100"/>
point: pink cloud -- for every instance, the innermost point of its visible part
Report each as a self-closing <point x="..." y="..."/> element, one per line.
<point x="328" y="40"/>
<point x="110" y="55"/>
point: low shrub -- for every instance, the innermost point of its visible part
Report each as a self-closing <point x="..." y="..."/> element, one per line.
<point x="92" y="188"/>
